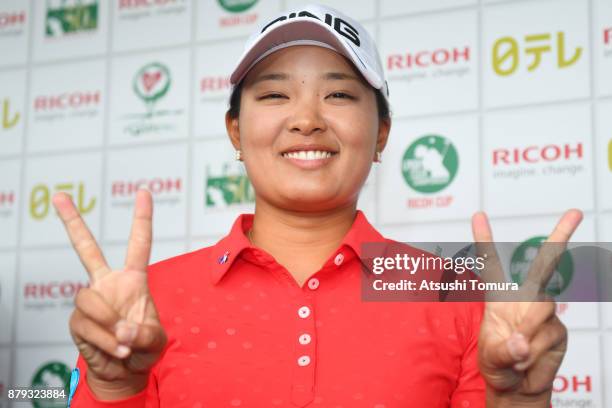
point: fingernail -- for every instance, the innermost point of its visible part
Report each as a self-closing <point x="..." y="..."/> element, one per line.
<point x="122" y="351"/>
<point x="126" y="331"/>
<point x="518" y="347"/>
<point x="522" y="366"/>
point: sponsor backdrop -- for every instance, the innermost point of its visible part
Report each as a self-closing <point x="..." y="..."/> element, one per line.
<point x="504" y="106"/>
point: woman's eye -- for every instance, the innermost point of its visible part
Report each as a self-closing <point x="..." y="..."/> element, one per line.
<point x="271" y="96"/>
<point x="341" y="95"/>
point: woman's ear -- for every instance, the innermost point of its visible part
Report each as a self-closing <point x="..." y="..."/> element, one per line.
<point x="233" y="131"/>
<point x="384" y="127"/>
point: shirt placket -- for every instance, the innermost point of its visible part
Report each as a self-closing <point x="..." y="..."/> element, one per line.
<point x="303" y="384"/>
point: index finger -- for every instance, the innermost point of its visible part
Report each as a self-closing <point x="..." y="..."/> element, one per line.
<point x="139" y="245"/>
<point x="81" y="238"/>
<point x="485" y="247"/>
<point x="551" y="250"/>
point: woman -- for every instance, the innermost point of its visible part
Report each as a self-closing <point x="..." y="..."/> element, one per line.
<point x="271" y="315"/>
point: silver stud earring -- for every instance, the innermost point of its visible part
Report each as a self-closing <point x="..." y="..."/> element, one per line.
<point x="238" y="155"/>
<point x="378" y="157"/>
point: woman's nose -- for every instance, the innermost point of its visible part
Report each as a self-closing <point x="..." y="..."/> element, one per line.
<point x="306" y="118"/>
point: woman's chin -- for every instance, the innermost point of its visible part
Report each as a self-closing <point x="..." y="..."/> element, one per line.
<point x="311" y="200"/>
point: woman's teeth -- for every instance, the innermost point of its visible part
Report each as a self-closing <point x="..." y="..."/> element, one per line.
<point x="308" y="155"/>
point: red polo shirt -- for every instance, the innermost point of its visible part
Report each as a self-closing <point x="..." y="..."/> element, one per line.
<point x="242" y="333"/>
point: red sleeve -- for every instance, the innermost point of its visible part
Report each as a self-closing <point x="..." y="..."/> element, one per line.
<point x="470" y="391"/>
<point x="83" y="396"/>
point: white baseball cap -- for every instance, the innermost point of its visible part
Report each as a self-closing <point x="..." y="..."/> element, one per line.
<point x="315" y="25"/>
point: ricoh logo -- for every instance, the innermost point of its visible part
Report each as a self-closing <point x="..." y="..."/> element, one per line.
<point x="145" y="4"/>
<point x="572" y="384"/>
<point x="52" y="290"/>
<point x="214" y="84"/>
<point x="432" y="63"/>
<point x="428" y="58"/>
<point x="536" y="154"/>
<point x="7" y="202"/>
<point x="155" y="186"/>
<point x="572" y="391"/>
<point x="508" y="52"/>
<point x="41" y="296"/>
<point x="136" y="9"/>
<point x="67" y="105"/>
<point x="10" y="118"/>
<point x="40" y="198"/>
<point x="68" y="100"/>
<point x="548" y="160"/>
<point x="607" y="36"/>
<point x="10" y="19"/>
<point x="164" y="190"/>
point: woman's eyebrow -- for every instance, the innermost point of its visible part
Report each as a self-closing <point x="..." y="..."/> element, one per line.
<point x="274" y="76"/>
<point x="339" y="76"/>
<point x="280" y="76"/>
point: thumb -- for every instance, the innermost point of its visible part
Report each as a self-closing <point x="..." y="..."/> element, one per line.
<point x="141" y="337"/>
<point x="509" y="352"/>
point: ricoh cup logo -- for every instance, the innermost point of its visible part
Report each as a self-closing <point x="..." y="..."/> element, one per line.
<point x="231" y="187"/>
<point x="53" y="374"/>
<point x="523" y="257"/>
<point x="237" y="6"/>
<point x="529" y="52"/>
<point x="430" y="164"/>
<point x="70" y="17"/>
<point x="152" y="83"/>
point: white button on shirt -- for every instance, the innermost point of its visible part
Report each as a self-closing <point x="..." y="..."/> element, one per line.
<point x="304" y="312"/>
<point x="313" y="283"/>
<point x="338" y="259"/>
<point x="303" y="361"/>
<point x="304" y="339"/>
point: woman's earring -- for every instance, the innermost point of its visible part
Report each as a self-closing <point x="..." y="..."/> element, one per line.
<point x="238" y="155"/>
<point x="378" y="157"/>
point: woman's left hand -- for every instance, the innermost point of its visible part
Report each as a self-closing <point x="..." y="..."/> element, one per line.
<point x="522" y="343"/>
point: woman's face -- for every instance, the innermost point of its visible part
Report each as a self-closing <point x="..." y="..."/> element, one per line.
<point x="308" y="129"/>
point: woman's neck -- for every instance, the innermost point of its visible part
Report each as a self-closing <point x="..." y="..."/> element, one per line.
<point x="300" y="241"/>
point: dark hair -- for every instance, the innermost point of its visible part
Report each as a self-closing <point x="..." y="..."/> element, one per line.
<point x="234" y="103"/>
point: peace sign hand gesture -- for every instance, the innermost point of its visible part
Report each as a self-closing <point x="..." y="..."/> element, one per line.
<point x="115" y="325"/>
<point x="522" y="343"/>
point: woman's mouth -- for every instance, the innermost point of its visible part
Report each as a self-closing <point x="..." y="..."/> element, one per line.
<point x="309" y="159"/>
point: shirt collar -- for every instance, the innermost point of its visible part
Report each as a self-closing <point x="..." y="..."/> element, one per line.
<point x="230" y="247"/>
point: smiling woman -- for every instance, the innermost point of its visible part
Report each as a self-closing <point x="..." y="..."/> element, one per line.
<point x="299" y="104"/>
<point x="272" y="314"/>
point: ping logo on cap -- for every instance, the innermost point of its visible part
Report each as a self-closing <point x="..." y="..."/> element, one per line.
<point x="338" y="24"/>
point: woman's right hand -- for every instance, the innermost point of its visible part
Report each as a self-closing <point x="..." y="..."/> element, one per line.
<point x="115" y="325"/>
